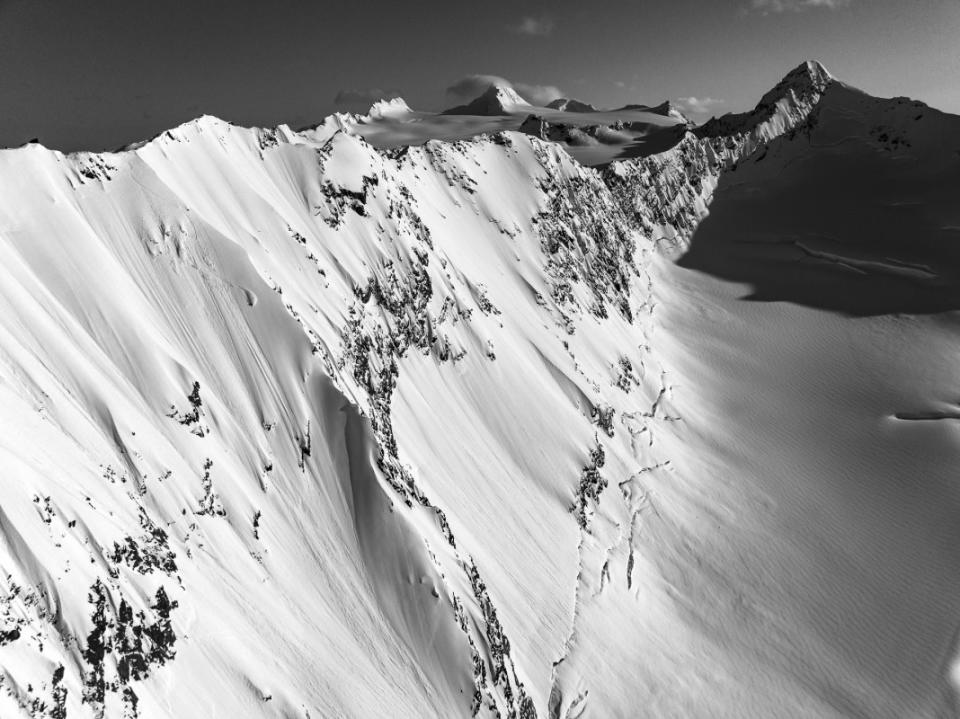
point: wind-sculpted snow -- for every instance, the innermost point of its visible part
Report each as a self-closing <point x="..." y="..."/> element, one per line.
<point x="298" y="427"/>
<point x="203" y="342"/>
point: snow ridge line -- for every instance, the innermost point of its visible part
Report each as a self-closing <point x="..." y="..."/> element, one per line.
<point x="667" y="194"/>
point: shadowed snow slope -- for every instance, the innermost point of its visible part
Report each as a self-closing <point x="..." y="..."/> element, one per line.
<point x="856" y="211"/>
<point x="298" y="427"/>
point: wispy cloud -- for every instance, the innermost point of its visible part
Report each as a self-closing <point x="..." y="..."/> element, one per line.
<point x="362" y="99"/>
<point x="779" y="6"/>
<point x="469" y="87"/>
<point x="538" y="95"/>
<point x="698" y="105"/>
<point x="535" y="26"/>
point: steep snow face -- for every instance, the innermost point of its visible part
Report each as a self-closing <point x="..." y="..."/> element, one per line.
<point x="242" y="370"/>
<point x="299" y="427"/>
<point x="169" y="432"/>
<point x="216" y="350"/>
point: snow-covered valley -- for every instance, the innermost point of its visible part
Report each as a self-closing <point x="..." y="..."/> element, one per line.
<point x="302" y="424"/>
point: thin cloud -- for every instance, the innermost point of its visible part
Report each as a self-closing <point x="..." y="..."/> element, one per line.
<point x="471" y="86"/>
<point x="698" y="105"/>
<point x="767" y="7"/>
<point x="533" y="26"/>
<point x="363" y="98"/>
<point x="538" y="95"/>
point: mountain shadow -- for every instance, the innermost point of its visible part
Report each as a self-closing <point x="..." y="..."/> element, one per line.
<point x="855" y="212"/>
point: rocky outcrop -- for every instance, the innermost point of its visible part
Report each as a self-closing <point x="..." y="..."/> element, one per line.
<point x="564" y="104"/>
<point x="668" y="193"/>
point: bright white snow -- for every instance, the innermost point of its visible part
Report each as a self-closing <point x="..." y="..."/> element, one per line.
<point x="444" y="429"/>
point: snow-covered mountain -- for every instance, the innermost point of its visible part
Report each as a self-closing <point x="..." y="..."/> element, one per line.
<point x="564" y="104"/>
<point x="666" y="108"/>
<point x="495" y="100"/>
<point x="298" y="426"/>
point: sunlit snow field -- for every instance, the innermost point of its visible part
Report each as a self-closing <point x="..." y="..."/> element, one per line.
<point x="403" y="426"/>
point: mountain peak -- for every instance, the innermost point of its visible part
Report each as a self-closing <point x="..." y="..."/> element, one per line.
<point x="504" y="94"/>
<point x="795" y="96"/>
<point x="495" y="100"/>
<point x="807" y="80"/>
<point x="389" y="108"/>
<point x="669" y="109"/>
<point x="808" y="75"/>
<point x="565" y="104"/>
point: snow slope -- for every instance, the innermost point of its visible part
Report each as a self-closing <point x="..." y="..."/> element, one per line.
<point x="295" y="426"/>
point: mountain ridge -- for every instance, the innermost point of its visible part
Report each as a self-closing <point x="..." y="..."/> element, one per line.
<point x="244" y="363"/>
<point x="807" y="78"/>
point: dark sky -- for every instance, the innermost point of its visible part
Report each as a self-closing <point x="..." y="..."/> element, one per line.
<point x="97" y="74"/>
